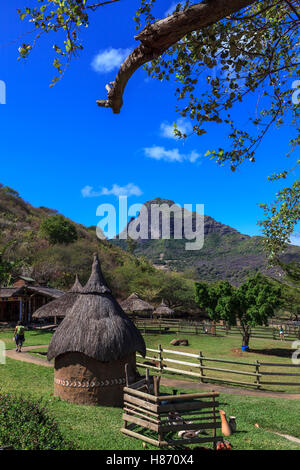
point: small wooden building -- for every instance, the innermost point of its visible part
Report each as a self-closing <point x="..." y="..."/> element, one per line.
<point x="135" y="305"/>
<point x="92" y="345"/>
<point x="59" y="307"/>
<point x="18" y="303"/>
<point x="163" y="311"/>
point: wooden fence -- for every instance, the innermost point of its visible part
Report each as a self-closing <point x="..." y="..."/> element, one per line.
<point x="203" y="368"/>
<point x="159" y="419"/>
<point x="181" y="327"/>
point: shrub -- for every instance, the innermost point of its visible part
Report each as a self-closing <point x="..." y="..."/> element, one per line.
<point x="57" y="229"/>
<point x="26" y="425"/>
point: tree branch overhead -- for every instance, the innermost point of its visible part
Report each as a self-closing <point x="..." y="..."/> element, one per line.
<point x="156" y="38"/>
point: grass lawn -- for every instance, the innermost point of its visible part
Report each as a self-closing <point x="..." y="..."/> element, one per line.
<point x="33" y="338"/>
<point x="229" y="347"/>
<point x="99" y="427"/>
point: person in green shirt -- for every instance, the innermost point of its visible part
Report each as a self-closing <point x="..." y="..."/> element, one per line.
<point x="19" y="336"/>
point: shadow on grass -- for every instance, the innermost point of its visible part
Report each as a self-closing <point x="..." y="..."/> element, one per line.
<point x="277" y="352"/>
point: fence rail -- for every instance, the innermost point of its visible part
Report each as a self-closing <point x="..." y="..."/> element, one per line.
<point x="291" y="333"/>
<point x="198" y="365"/>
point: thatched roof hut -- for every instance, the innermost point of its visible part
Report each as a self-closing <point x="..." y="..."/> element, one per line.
<point x="163" y="310"/>
<point x="134" y="304"/>
<point x="92" y="345"/>
<point x="59" y="308"/>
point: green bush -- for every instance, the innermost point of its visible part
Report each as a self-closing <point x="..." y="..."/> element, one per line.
<point x="26" y="425"/>
<point x="57" y="229"/>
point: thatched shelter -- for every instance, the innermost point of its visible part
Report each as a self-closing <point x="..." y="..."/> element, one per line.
<point x="92" y="345"/>
<point x="59" y="308"/>
<point x="134" y="304"/>
<point x="163" y="310"/>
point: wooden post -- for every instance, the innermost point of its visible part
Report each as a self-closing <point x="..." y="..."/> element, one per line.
<point x="156" y="382"/>
<point x="148" y="380"/>
<point x="126" y="375"/>
<point x="201" y="365"/>
<point x="160" y="357"/>
<point x="257" y="377"/>
<point x="214" y="421"/>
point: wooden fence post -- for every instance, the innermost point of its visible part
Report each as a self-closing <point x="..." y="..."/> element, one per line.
<point x="201" y="367"/>
<point x="257" y="370"/>
<point x="214" y="422"/>
<point x="160" y="358"/>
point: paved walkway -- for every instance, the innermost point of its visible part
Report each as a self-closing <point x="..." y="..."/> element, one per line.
<point x="173" y="383"/>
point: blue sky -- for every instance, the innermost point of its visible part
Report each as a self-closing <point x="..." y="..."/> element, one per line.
<point x="58" y="149"/>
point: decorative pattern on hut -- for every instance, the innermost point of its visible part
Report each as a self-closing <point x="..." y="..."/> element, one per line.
<point x="163" y="310"/>
<point x="134" y="304"/>
<point x="92" y="345"/>
<point x="60" y="307"/>
<point x="20" y="302"/>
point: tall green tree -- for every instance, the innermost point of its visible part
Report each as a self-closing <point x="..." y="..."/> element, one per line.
<point x="250" y="305"/>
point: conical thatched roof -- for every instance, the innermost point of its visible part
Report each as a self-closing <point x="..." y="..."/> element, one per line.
<point x="60" y="307"/>
<point x="163" y="309"/>
<point x="96" y="325"/>
<point x="135" y="304"/>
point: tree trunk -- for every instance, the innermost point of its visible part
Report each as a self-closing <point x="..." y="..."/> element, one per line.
<point x="246" y="339"/>
<point x="158" y="37"/>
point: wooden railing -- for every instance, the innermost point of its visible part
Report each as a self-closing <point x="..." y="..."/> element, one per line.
<point x="198" y="366"/>
<point x="181" y="327"/>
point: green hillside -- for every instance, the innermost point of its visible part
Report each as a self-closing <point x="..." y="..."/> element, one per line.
<point x="21" y="242"/>
<point x="226" y="255"/>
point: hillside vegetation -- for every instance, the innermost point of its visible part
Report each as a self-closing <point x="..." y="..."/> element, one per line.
<point x="55" y="264"/>
<point x="226" y="255"/>
<point x="27" y="249"/>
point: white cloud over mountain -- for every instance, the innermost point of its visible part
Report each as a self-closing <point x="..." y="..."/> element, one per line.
<point x="129" y="190"/>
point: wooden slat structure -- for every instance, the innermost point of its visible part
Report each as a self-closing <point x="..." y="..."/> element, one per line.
<point x="158" y="419"/>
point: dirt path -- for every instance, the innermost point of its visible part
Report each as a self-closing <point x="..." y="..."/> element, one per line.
<point x="25" y="357"/>
<point x="174" y="383"/>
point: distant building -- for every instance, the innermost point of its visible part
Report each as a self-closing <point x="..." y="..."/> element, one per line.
<point x="18" y="303"/>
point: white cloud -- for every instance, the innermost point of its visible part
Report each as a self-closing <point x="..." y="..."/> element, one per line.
<point x="167" y="130"/>
<point x="160" y="153"/>
<point x="88" y="191"/>
<point x="109" y="59"/>
<point x="295" y="239"/>
<point x="129" y="190"/>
